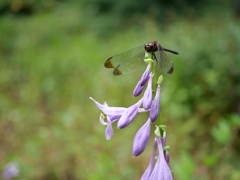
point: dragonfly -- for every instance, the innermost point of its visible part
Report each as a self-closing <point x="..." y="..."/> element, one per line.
<point x="133" y="60"/>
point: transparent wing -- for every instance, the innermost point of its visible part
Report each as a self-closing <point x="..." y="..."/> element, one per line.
<point x="116" y="60"/>
<point x="165" y="62"/>
<point x="134" y="64"/>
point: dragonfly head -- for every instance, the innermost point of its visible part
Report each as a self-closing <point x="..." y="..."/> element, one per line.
<point x="151" y="47"/>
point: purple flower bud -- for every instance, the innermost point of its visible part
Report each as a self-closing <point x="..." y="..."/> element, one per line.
<point x="161" y="170"/>
<point x="155" y="108"/>
<point x="141" y="138"/>
<point x="129" y="115"/>
<point x="164" y="138"/>
<point x="138" y="89"/>
<point x="146" y="175"/>
<point x="145" y="75"/>
<point x="11" y="170"/>
<point x="147" y="98"/>
<point x="140" y="85"/>
<point x="167" y="157"/>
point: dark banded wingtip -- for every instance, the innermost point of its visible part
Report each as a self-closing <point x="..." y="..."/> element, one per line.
<point x="171" y="69"/>
<point x="117" y="72"/>
<point x="108" y="63"/>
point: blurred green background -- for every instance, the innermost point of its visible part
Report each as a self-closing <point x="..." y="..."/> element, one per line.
<point x="51" y="61"/>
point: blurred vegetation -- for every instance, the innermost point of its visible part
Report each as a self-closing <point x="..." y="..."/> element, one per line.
<point x="51" y="62"/>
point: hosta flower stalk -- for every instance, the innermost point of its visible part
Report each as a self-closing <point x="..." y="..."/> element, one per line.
<point x="158" y="168"/>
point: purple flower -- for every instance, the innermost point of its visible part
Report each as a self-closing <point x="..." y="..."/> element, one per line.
<point x="109" y="131"/>
<point x="140" y="85"/>
<point x="141" y="138"/>
<point x="155" y="108"/>
<point x="11" y="170"/>
<point x="145" y="75"/>
<point x="113" y="113"/>
<point x="129" y="115"/>
<point x="147" y="98"/>
<point x="146" y="175"/>
<point x="138" y="89"/>
<point x="158" y="169"/>
<point x="164" y="138"/>
<point x="167" y="157"/>
<point x="161" y="170"/>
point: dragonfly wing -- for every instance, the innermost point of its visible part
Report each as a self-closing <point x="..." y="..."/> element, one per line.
<point x="134" y="64"/>
<point x="165" y="62"/>
<point x="116" y="60"/>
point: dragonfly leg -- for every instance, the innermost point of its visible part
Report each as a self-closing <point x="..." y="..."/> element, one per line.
<point x="154" y="56"/>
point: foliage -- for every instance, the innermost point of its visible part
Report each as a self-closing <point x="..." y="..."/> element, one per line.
<point x="52" y="61"/>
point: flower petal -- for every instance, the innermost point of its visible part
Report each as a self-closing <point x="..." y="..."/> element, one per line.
<point x="147" y="98"/>
<point x="161" y="170"/>
<point x="140" y="85"/>
<point x="138" y="89"/>
<point x="129" y="115"/>
<point x="109" y="132"/>
<point x="167" y="157"/>
<point x="141" y="138"/>
<point x="112" y="112"/>
<point x="145" y="75"/>
<point x="164" y="138"/>
<point x="146" y="175"/>
<point x="108" y="123"/>
<point x="155" y="108"/>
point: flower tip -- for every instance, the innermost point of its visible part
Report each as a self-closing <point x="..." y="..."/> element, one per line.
<point x="122" y="125"/>
<point x="160" y="79"/>
<point x="92" y="99"/>
<point x="157" y="131"/>
<point x="137" y="153"/>
<point x="167" y="148"/>
<point x="138" y="89"/>
<point x="163" y="127"/>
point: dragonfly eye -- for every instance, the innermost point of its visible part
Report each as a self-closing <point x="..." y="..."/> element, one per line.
<point x="148" y="48"/>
